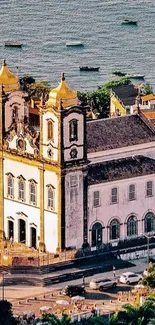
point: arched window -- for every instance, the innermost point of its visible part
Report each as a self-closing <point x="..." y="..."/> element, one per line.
<point x="21" y="189"/>
<point x="50" y="130"/>
<point x="114" y="229"/>
<point x="73" y="130"/>
<point x="149" y="222"/>
<point x="10" y="185"/>
<point x="33" y="192"/>
<point x="132" y="226"/>
<point x="97" y="234"/>
<point x="51" y="197"/>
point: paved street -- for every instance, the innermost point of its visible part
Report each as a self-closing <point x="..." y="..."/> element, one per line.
<point x="139" y="267"/>
<point x="107" y="301"/>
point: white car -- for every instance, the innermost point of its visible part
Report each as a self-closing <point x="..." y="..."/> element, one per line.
<point x="130" y="277"/>
<point x="102" y="284"/>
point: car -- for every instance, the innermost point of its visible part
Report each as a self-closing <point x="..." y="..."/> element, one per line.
<point x="130" y="277"/>
<point x="102" y="284"/>
<point x="73" y="290"/>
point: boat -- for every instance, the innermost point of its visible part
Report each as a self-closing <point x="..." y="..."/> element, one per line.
<point x="13" y="44"/>
<point x="87" y="68"/>
<point x="135" y="76"/>
<point x="129" y="22"/>
<point x="74" y="43"/>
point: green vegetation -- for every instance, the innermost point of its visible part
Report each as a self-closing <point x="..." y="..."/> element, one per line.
<point x="150" y="279"/>
<point x="142" y="315"/>
<point x="100" y="99"/>
<point x="119" y="73"/>
<point x="6" y="316"/>
<point x="34" y="89"/>
<point x="147" y="89"/>
<point x="52" y="319"/>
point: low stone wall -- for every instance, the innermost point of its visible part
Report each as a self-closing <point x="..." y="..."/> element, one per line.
<point x="137" y="254"/>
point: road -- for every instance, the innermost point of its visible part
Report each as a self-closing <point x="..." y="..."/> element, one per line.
<point x="140" y="266"/>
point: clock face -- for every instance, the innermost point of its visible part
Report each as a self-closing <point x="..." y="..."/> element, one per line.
<point x="73" y="153"/>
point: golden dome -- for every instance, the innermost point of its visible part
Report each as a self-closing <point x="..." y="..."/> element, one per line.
<point x="64" y="95"/>
<point x="8" y="79"/>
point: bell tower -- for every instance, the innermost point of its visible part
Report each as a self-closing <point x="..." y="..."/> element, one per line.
<point x="63" y="143"/>
<point x="2" y="124"/>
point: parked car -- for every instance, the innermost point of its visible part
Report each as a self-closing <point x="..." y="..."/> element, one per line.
<point x="102" y="284"/>
<point x="130" y="277"/>
<point x="73" y="290"/>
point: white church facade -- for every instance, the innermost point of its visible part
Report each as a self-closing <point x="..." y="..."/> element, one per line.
<point x="73" y="181"/>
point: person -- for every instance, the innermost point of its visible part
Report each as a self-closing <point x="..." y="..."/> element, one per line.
<point x="83" y="280"/>
<point x="114" y="271"/>
<point x="11" y="241"/>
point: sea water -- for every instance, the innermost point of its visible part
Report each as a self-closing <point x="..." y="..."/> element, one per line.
<point x="44" y="26"/>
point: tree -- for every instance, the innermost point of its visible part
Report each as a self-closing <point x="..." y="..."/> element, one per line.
<point x="100" y="99"/>
<point x="51" y="319"/>
<point x="93" y="320"/>
<point x="6" y="316"/>
<point x="147" y="89"/>
<point x="134" y="315"/>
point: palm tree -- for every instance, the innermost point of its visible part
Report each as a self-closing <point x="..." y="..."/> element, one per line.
<point x="50" y="319"/>
<point x="134" y="315"/>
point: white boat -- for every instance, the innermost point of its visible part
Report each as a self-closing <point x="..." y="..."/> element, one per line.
<point x="74" y="43"/>
<point x="135" y="76"/>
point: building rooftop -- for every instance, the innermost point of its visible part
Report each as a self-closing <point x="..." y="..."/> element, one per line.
<point x="117" y="132"/>
<point x="120" y="169"/>
<point x="126" y="94"/>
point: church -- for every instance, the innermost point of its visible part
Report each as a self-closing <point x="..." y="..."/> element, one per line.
<point x="72" y="181"/>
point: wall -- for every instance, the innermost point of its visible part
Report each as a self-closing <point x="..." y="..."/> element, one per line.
<point x="116" y="105"/>
<point x="14" y="99"/>
<point x="147" y="149"/>
<point x="54" y="143"/>
<point x="74" y="211"/>
<point x="29" y="213"/>
<point x="124" y="208"/>
<point x="75" y="144"/>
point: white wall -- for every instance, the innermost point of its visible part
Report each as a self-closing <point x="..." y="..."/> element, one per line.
<point x="27" y="171"/>
<point x="51" y="231"/>
<point x="46" y="142"/>
<point x="147" y="149"/>
<point x="67" y="143"/>
<point x="124" y="208"/>
<point x="74" y="212"/>
<point x="50" y="178"/>
<point x="23" y="210"/>
<point x="17" y="210"/>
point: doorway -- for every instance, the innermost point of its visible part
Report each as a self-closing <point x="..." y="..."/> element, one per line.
<point x="33" y="234"/>
<point x="22" y="231"/>
<point x="10" y="229"/>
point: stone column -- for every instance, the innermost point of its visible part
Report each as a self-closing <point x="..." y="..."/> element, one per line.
<point x="1" y="168"/>
<point x="42" y="226"/>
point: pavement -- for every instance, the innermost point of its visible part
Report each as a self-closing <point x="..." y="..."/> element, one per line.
<point x="25" y="298"/>
<point x="19" y="291"/>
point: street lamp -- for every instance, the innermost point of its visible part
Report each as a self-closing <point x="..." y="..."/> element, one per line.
<point x="148" y="247"/>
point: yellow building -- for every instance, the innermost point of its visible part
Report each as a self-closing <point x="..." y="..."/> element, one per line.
<point x="33" y="166"/>
<point x="123" y="100"/>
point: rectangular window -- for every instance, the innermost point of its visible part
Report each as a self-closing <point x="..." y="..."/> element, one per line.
<point x="10" y="187"/>
<point x="33" y="193"/>
<point x="114" y="195"/>
<point x="96" y="199"/>
<point x="149" y="191"/>
<point x="132" y="194"/>
<point x="51" y="198"/>
<point x="21" y="190"/>
<point x="73" y="180"/>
